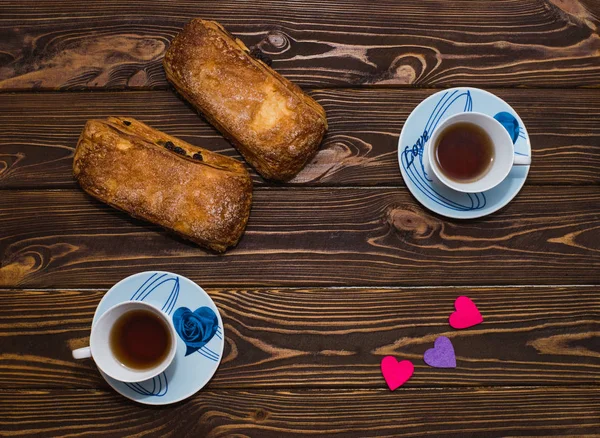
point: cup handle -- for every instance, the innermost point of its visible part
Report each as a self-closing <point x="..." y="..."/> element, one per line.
<point x="82" y="353"/>
<point x="522" y="160"/>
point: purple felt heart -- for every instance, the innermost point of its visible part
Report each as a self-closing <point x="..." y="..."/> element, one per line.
<point x="441" y="355"/>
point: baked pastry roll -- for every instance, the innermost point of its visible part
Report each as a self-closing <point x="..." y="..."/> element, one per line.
<point x="274" y="125"/>
<point x="200" y="195"/>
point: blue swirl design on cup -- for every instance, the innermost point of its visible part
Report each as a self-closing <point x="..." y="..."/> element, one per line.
<point x="152" y="283"/>
<point x="164" y="286"/>
<point x="451" y="102"/>
<point x="160" y="384"/>
<point x="445" y="106"/>
<point x="196" y="329"/>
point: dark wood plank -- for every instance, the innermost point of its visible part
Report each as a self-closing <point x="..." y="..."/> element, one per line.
<point x="120" y="44"/>
<point x="310" y="237"/>
<point x="424" y="413"/>
<point x="39" y="131"/>
<point x="332" y="338"/>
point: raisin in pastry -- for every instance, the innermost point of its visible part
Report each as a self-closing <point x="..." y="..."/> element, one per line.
<point x="198" y="194"/>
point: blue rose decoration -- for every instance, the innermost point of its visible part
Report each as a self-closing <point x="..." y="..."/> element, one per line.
<point x="196" y="328"/>
<point x="510" y="124"/>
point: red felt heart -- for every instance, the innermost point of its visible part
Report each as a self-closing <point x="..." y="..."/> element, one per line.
<point x="466" y="315"/>
<point x="396" y="373"/>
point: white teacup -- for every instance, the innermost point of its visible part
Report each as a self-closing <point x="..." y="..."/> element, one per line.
<point x="504" y="154"/>
<point x="105" y="359"/>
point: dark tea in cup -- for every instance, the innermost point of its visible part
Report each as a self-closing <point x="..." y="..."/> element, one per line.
<point x="470" y="152"/>
<point x="464" y="152"/>
<point x="140" y="339"/>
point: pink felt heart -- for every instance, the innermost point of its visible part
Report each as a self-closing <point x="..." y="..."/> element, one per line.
<point x="466" y="315"/>
<point x="396" y="373"/>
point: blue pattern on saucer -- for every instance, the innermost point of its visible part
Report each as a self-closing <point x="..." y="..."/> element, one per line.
<point x="187" y="374"/>
<point x="196" y="328"/>
<point x="420" y="125"/>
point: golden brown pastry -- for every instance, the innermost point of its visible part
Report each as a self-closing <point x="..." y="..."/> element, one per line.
<point x="275" y="126"/>
<point x="200" y="195"/>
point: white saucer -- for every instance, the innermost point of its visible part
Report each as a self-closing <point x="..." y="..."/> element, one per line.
<point x="193" y="313"/>
<point x="421" y="123"/>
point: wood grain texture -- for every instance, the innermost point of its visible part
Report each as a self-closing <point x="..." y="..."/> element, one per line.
<point x="441" y="413"/>
<point x="332" y="338"/>
<point x="38" y="133"/>
<point x="120" y="44"/>
<point x="341" y="266"/>
<point x="310" y="237"/>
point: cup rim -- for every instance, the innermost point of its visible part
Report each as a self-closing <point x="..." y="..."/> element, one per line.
<point x="166" y="363"/>
<point x="469" y="187"/>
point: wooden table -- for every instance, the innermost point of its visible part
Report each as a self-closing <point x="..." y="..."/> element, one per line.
<point x="341" y="266"/>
